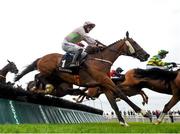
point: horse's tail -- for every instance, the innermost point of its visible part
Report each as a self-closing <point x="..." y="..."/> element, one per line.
<point x="28" y="69"/>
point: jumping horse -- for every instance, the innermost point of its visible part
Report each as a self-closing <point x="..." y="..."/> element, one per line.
<point x="157" y="80"/>
<point x="10" y="67"/>
<point x="95" y="92"/>
<point x="93" y="71"/>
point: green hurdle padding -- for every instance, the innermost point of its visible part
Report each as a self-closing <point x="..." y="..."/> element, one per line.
<point x="20" y="106"/>
<point x="16" y="112"/>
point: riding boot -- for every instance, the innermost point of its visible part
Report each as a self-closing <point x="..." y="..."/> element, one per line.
<point x="75" y="61"/>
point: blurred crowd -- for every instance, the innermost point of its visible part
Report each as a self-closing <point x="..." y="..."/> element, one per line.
<point x="153" y="114"/>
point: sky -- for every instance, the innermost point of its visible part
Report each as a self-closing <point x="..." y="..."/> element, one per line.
<point x="32" y="28"/>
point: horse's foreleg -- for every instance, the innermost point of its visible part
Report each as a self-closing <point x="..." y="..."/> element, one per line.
<point x="113" y="104"/>
<point x="167" y="107"/>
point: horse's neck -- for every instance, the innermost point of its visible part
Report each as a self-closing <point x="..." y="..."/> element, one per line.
<point x="111" y="52"/>
<point x="4" y="71"/>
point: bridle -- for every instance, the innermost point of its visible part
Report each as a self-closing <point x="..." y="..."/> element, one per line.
<point x="2" y="76"/>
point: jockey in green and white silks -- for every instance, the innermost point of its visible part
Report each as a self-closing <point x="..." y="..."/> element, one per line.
<point x="72" y="42"/>
<point x="156" y="61"/>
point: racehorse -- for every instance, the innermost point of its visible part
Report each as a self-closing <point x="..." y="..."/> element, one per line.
<point x="158" y="80"/>
<point x="162" y="81"/>
<point x="10" y="67"/>
<point x="93" y="71"/>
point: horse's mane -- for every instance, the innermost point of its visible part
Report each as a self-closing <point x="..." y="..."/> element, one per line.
<point x="93" y="50"/>
<point x="155" y="74"/>
<point x="114" y="43"/>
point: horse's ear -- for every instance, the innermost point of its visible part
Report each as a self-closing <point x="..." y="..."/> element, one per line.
<point x="127" y="34"/>
<point x="8" y="61"/>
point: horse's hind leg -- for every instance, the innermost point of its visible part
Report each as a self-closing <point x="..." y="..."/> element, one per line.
<point x="167" y="107"/>
<point x="144" y="96"/>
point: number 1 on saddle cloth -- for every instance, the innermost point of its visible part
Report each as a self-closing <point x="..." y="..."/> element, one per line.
<point x="66" y="60"/>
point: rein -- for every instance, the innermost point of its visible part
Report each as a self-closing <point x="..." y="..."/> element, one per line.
<point x="2" y="76"/>
<point x="107" y="61"/>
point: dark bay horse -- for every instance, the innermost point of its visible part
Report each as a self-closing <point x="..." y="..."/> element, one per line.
<point x="155" y="79"/>
<point x="161" y="81"/>
<point x="10" y="67"/>
<point x="93" y="71"/>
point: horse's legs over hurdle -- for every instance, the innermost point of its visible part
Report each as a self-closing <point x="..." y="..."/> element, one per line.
<point x="81" y="97"/>
<point x="167" y="107"/>
<point x="41" y="79"/>
<point x="76" y="92"/>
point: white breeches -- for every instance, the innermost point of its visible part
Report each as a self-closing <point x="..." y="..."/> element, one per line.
<point x="71" y="47"/>
<point x="150" y="67"/>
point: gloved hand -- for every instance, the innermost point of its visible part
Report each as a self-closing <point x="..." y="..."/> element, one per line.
<point x="81" y="44"/>
<point x="173" y="64"/>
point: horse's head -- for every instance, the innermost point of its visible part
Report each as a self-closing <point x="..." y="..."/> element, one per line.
<point x="12" y="67"/>
<point x="132" y="48"/>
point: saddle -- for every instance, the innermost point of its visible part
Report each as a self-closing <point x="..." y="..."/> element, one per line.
<point x="66" y="61"/>
<point x="68" y="57"/>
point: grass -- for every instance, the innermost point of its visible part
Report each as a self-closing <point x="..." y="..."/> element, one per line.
<point x="106" y="127"/>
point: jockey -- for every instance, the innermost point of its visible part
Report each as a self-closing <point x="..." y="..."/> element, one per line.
<point x="72" y="42"/>
<point x="156" y="61"/>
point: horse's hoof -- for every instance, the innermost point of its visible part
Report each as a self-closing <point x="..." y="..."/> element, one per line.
<point x="124" y="124"/>
<point x="49" y="88"/>
<point x="144" y="113"/>
<point x="157" y="122"/>
<point x="118" y="99"/>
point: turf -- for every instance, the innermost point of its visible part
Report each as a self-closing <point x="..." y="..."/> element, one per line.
<point x="107" y="127"/>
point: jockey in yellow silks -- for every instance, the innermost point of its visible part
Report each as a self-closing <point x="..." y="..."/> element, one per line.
<point x="156" y="61"/>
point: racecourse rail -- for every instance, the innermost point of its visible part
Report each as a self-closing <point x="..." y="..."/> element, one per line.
<point x="19" y="106"/>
